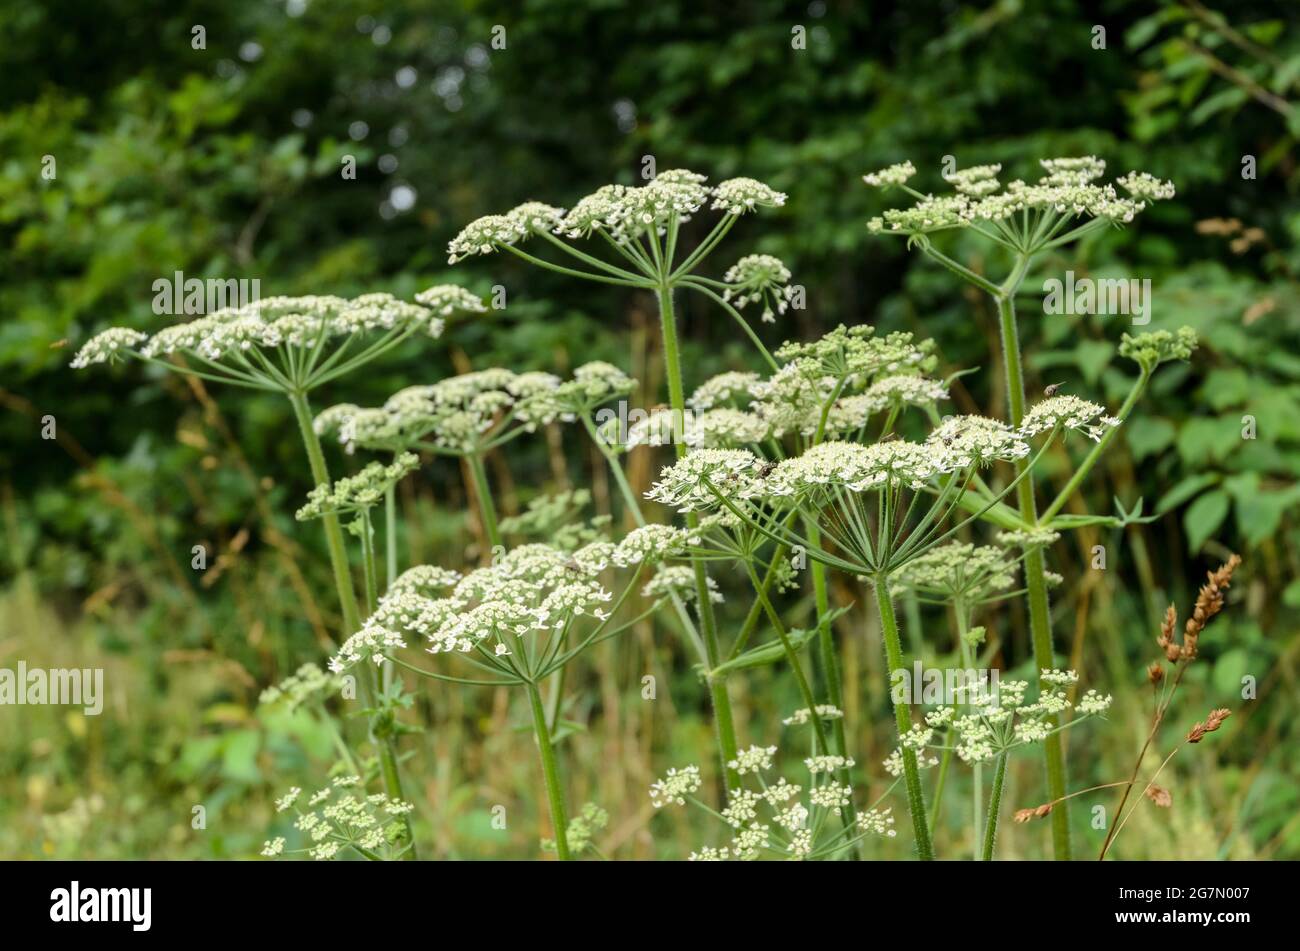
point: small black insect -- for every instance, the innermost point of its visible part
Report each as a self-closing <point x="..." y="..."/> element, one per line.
<point x="1051" y="390"/>
<point x="766" y="469"/>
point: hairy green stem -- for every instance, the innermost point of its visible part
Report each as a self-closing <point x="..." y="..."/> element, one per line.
<point x="995" y="802"/>
<point x="487" y="510"/>
<point x="550" y="772"/>
<point x="1040" y="623"/>
<point x="903" y="720"/>
<point x="826" y="642"/>
<point x="977" y="771"/>
<point x="723" y="720"/>
<point x="390" y="536"/>
<point x="792" y="657"/>
<point x="385" y="746"/>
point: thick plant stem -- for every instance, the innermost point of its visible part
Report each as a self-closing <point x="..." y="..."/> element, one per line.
<point x="903" y="720"/>
<point x="333" y="532"/>
<point x="551" y="773"/>
<point x="977" y="771"/>
<point x="723" y="720"/>
<point x="995" y="801"/>
<point x="385" y="746"/>
<point x="826" y="642"/>
<point x="829" y="660"/>
<point x="390" y="536"/>
<point x="487" y="510"/>
<point x="792" y="658"/>
<point x="1040" y="622"/>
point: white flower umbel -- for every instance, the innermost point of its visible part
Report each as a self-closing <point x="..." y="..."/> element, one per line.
<point x="342" y="817"/>
<point x="1025" y="217"/>
<point x="774" y="818"/>
<point x="1067" y="412"/>
<point x="991" y="726"/>
<point x="733" y="389"/>
<point x="292" y="344"/>
<point x="759" y="278"/>
<point x="958" y="571"/>
<point x="893" y="175"/>
<point x="515" y="622"/>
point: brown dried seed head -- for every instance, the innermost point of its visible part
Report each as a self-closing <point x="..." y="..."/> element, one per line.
<point x="1159" y="795"/>
<point x="1155" y="673"/>
<point x="1167" y="627"/>
<point x="1212" y="723"/>
<point x="1216" y="718"/>
<point x="1037" y="812"/>
<point x="1209" y="602"/>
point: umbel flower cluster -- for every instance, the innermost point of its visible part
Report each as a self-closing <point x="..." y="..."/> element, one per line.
<point x="623" y="213"/>
<point x="283" y="342"/>
<point x="707" y="479"/>
<point x="995" y="722"/>
<point x="780" y="819"/>
<point x="958" y="571"/>
<point x="497" y="614"/>
<point x="473" y="412"/>
<point x="341" y="816"/>
<point x="306" y="685"/>
<point x="1068" y="187"/>
<point x="359" y="493"/>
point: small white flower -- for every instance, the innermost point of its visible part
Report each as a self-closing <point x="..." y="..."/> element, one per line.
<point x="753" y="760"/>
<point x="675" y="786"/>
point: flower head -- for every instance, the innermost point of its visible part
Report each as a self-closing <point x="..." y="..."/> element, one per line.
<point x="737" y="196"/>
<point x="892" y="175"/>
<point x="1067" y="412"/>
<point x="108" y="346"/>
<point x="759" y="277"/>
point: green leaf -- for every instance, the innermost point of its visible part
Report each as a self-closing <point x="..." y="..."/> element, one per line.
<point x="1184" y="490"/>
<point x="773" y="652"/>
<point x="1092" y="357"/>
<point x="1147" y="436"/>
<point x="1204" y="517"/>
<point x="1260" y="513"/>
<point x="1208" y="439"/>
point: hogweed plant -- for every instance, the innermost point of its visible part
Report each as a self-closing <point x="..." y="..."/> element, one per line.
<point x="833" y="457"/>
<point x="291" y="346"/>
<point x="514" y="623"/>
<point x="879" y="506"/>
<point x="966" y="578"/>
<point x="640" y="228"/>
<point x="1024" y="221"/>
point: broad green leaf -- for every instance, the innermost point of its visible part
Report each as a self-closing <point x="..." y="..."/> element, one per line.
<point x="1184" y="490"/>
<point x="1204" y="517"/>
<point x="1148" y="435"/>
